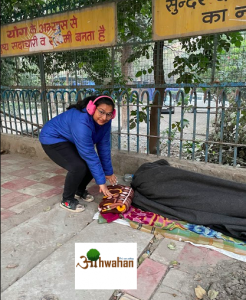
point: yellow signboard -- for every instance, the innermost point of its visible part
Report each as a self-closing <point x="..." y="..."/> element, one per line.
<point x="87" y="28"/>
<point x="181" y="18"/>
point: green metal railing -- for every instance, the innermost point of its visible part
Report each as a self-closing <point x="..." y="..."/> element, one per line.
<point x="135" y="72"/>
<point x="180" y="134"/>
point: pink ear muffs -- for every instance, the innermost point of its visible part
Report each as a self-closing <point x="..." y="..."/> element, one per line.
<point x="91" y="107"/>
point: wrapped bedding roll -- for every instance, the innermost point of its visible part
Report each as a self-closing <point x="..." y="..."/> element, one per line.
<point x="120" y="202"/>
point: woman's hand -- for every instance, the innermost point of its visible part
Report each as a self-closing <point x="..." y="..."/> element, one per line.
<point x="112" y="179"/>
<point x="103" y="189"/>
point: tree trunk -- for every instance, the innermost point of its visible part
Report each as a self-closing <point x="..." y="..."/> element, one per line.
<point x="52" y="97"/>
<point x="158" y="100"/>
<point x="126" y="72"/>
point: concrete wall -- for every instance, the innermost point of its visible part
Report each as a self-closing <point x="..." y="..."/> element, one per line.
<point x="124" y="162"/>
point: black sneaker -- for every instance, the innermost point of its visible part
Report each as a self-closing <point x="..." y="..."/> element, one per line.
<point x="72" y="205"/>
<point x="85" y="196"/>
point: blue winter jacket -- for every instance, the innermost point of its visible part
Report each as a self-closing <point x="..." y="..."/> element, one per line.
<point x="80" y="129"/>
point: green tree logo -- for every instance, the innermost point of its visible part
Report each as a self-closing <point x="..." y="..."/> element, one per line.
<point x="93" y="255"/>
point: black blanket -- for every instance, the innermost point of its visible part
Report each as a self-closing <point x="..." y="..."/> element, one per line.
<point x="195" y="198"/>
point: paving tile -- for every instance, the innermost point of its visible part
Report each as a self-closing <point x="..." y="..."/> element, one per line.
<point x="31" y="162"/>
<point x="127" y="297"/>
<point x="18" y="183"/>
<point x="23" y="162"/>
<point x="50" y="193"/>
<point x="5" y="214"/>
<point x="36" y="189"/>
<point x="15" y="157"/>
<point x="13" y="198"/>
<point x="48" y="268"/>
<point x="57" y="180"/>
<point x="19" y="208"/>
<point x="149" y="275"/>
<point x="167" y="293"/>
<point x="24" y="172"/>
<point x="60" y="171"/>
<point x="179" y="281"/>
<point x="41" y="167"/>
<point x="6" y="178"/>
<point x="192" y="256"/>
<point x="11" y="195"/>
<point x="4" y="157"/>
<point x="12" y="168"/>
<point x="8" y="160"/>
<point x="158" y="254"/>
<point x="94" y="190"/>
<point x="5" y="191"/>
<point x="4" y="163"/>
<point x="40" y="176"/>
<point x="214" y="257"/>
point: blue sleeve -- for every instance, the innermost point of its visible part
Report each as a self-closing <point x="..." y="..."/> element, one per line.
<point x="104" y="152"/>
<point x="82" y="135"/>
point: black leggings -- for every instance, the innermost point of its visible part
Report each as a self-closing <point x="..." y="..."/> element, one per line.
<point x="66" y="155"/>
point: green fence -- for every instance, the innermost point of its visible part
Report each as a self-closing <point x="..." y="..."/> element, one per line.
<point x="181" y="98"/>
<point x="198" y="126"/>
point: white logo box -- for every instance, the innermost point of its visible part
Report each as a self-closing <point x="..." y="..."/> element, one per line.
<point x="116" y="267"/>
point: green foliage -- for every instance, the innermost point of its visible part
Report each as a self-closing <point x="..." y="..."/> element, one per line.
<point x="142" y="117"/>
<point x="193" y="64"/>
<point x="199" y="56"/>
<point x="233" y="132"/>
<point x="188" y="149"/>
<point x="167" y="136"/>
<point x="8" y="72"/>
<point x="134" y="20"/>
<point x="231" y="129"/>
<point x="93" y="254"/>
<point x="18" y="9"/>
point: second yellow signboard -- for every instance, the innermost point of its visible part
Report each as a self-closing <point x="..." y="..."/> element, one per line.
<point x="181" y="18"/>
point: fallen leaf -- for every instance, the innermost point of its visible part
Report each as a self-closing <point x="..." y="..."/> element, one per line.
<point x="47" y="208"/>
<point x="197" y="277"/>
<point x="200" y="292"/>
<point x="58" y="245"/>
<point x="141" y="259"/>
<point x="171" y="246"/>
<point x="212" y="294"/>
<point x="12" y="266"/>
<point x="174" y="263"/>
<point x="159" y="236"/>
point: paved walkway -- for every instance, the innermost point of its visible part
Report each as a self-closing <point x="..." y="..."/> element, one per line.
<point x="38" y="239"/>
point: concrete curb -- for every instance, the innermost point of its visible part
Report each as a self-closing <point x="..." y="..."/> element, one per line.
<point x="127" y="162"/>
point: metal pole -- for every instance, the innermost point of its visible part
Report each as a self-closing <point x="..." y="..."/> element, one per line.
<point x="43" y="99"/>
<point x="76" y="75"/>
<point x="16" y="69"/>
<point x="112" y="71"/>
<point x="213" y="74"/>
<point x="214" y="58"/>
